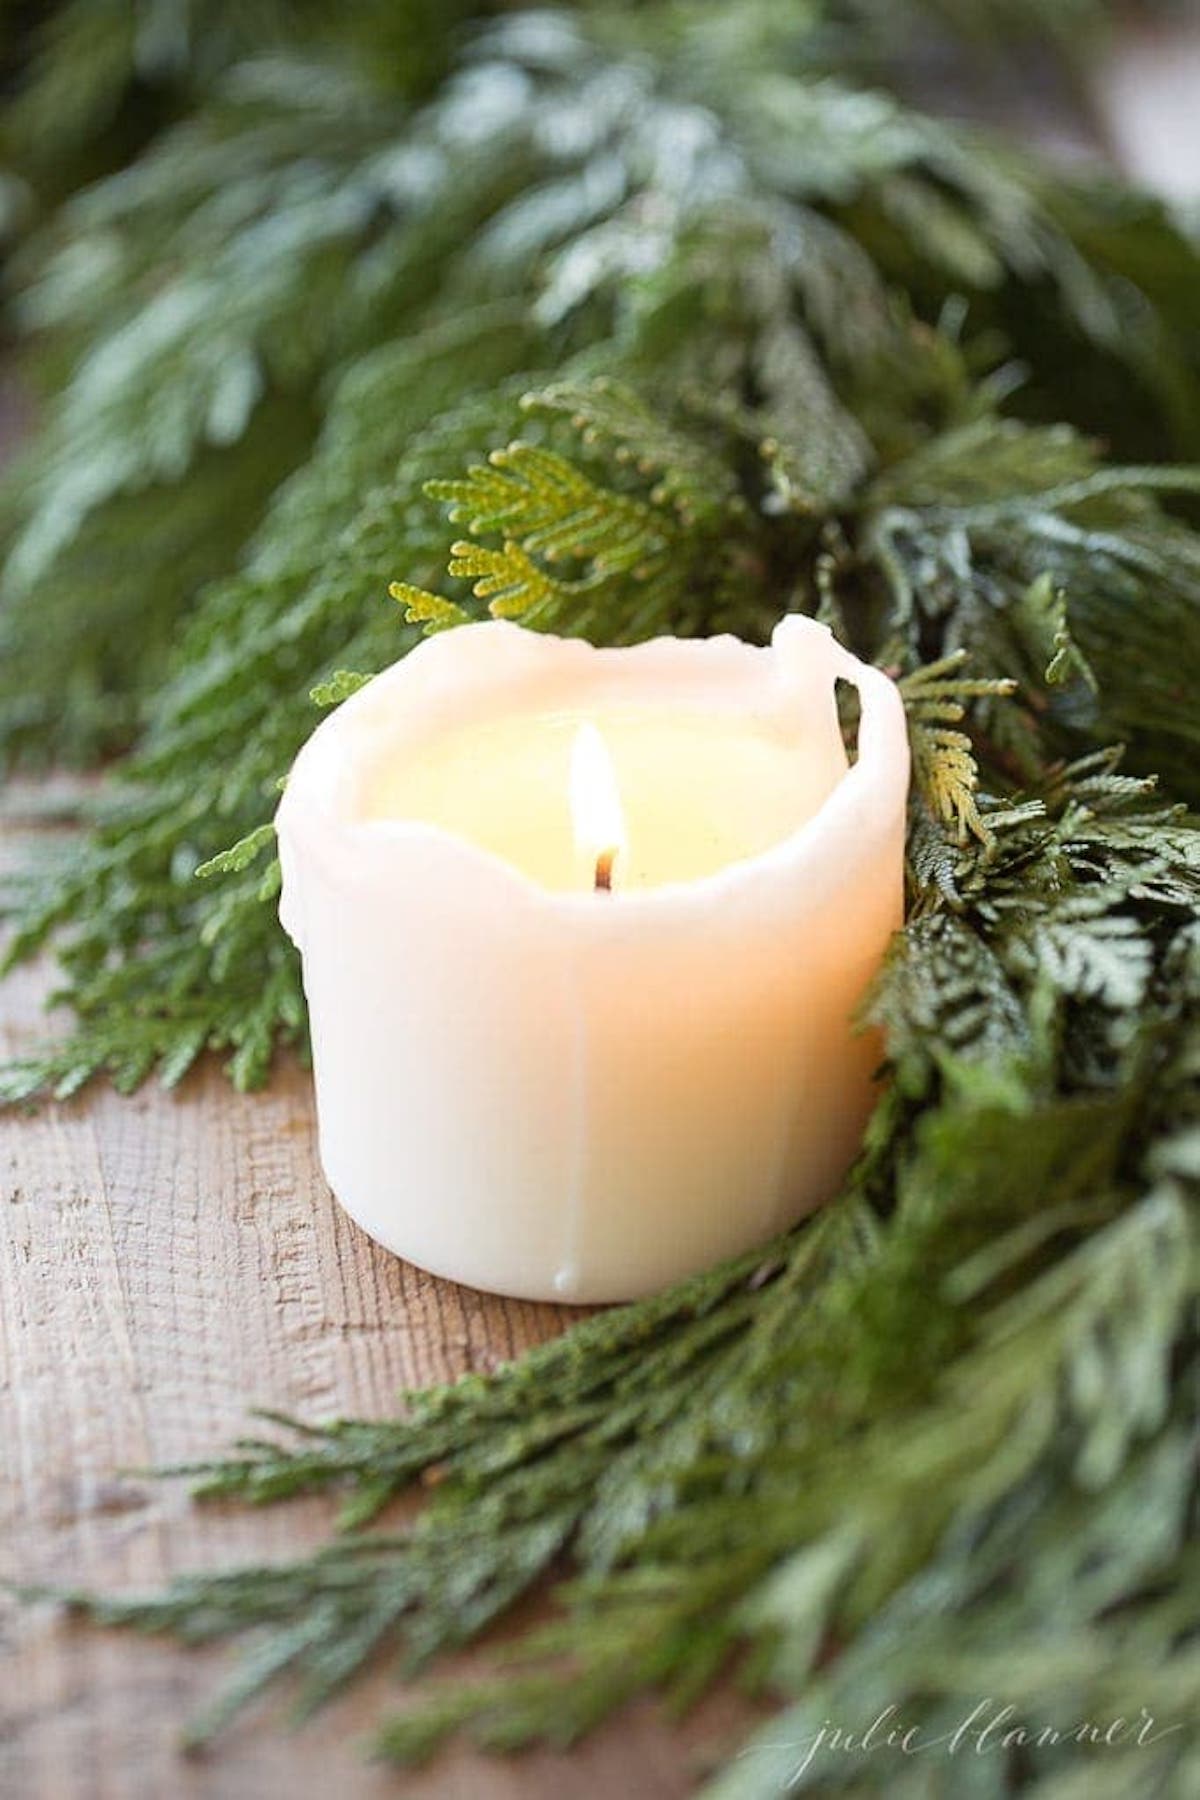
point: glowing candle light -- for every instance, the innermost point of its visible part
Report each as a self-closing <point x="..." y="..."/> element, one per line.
<point x="596" y="811"/>
<point x="533" y="1091"/>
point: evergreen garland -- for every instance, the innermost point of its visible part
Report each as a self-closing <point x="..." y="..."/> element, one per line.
<point x="617" y="342"/>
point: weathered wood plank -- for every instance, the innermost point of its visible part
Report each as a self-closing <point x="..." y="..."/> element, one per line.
<point x="167" y="1262"/>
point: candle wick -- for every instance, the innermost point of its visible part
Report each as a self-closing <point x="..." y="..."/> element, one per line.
<point x="604" y="869"/>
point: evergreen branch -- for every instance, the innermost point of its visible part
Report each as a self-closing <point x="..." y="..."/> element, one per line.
<point x="744" y="1458"/>
<point x="554" y="512"/>
<point x="944" y="768"/>
<point x="514" y="585"/>
<point x="288" y="227"/>
<point x="340" y="685"/>
<point x="624" y="1418"/>
<point x="240" y="855"/>
<point x="755" y="329"/>
<point x="610" y="415"/>
<point x="429" y="610"/>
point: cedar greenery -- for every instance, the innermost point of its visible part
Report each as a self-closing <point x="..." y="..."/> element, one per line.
<point x="633" y="320"/>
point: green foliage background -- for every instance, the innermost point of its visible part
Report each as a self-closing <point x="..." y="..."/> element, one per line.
<point x="619" y="320"/>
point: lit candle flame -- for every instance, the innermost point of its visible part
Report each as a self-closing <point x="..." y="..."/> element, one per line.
<point x="596" y="810"/>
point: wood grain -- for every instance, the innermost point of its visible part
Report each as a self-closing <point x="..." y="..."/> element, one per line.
<point x="167" y="1262"/>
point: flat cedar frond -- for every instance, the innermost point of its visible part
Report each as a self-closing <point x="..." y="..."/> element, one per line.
<point x="944" y="769"/>
<point x="240" y="855"/>
<point x="513" y="584"/>
<point x="815" y="451"/>
<point x="610" y="415"/>
<point x="554" y="511"/>
<point x="340" y="685"/>
<point x="1089" y="952"/>
<point x="946" y="775"/>
<point x="945" y="990"/>
<point x="636" y="569"/>
<point x="426" y="609"/>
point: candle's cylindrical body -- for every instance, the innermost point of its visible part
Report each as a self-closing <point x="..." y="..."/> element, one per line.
<point x="583" y="1096"/>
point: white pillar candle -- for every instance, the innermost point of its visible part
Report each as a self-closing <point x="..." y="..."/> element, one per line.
<point x="546" y="1086"/>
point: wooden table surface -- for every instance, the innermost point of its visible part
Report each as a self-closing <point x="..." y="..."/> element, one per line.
<point x="169" y="1261"/>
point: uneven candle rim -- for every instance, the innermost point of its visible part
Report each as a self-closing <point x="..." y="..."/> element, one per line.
<point x="870" y="795"/>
